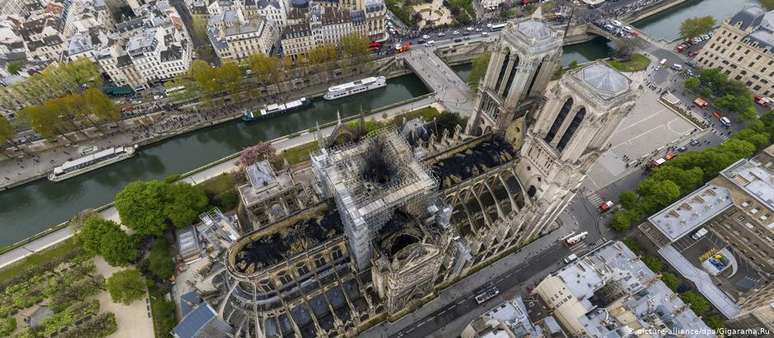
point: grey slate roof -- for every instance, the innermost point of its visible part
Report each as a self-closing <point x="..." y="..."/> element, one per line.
<point x="534" y="29"/>
<point x="202" y="322"/>
<point x="606" y="81"/>
<point x="750" y="16"/>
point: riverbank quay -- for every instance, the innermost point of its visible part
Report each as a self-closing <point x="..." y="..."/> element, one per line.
<point x="40" y="158"/>
<point x="56" y="234"/>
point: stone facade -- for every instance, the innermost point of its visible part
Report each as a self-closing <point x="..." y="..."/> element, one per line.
<point x="741" y="47"/>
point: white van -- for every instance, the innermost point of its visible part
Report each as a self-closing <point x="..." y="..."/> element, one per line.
<point x="571" y="258"/>
<point x="678" y="67"/>
<point x="699" y="234"/>
<point x="725" y="121"/>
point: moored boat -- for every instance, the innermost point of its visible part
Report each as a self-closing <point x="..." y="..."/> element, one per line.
<point x="91" y="162"/>
<point x="275" y="109"/>
<point x="355" y="87"/>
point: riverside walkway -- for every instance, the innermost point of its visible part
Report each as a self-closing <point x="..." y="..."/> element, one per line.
<point x="198" y="176"/>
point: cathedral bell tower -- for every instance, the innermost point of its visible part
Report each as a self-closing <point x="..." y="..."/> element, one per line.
<point x="572" y="130"/>
<point x="526" y="56"/>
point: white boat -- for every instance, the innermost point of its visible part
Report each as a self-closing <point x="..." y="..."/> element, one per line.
<point x="276" y="109"/>
<point x="355" y="87"/>
<point x="91" y="162"/>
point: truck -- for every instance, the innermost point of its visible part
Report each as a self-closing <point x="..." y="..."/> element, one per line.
<point x="656" y="163"/>
<point x="700" y="102"/>
<point x="404" y="47"/>
<point x="575" y="239"/>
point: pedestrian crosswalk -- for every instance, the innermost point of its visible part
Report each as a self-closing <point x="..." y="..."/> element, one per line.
<point x="594" y="198"/>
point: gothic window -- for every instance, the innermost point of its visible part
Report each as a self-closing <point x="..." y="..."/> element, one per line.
<point x="559" y="119"/>
<point x="531" y="191"/>
<point x="319" y="261"/>
<point x="576" y="121"/>
<point x="534" y="77"/>
<point x="502" y="70"/>
<point x="514" y="70"/>
<point x="336" y="253"/>
<point x="302" y="269"/>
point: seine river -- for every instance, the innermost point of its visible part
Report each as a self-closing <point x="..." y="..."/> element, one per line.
<point x="29" y="209"/>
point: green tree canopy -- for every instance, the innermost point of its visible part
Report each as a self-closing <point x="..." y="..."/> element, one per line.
<point x="653" y="263"/>
<point x="126" y="286"/>
<point x="160" y="262"/>
<point x="105" y="238"/>
<point x="693" y="27"/>
<point x="671" y="280"/>
<point x="768" y="4"/>
<point x="264" y="68"/>
<point x="141" y="207"/>
<point x="7" y="131"/>
<point x="699" y="304"/>
<point x="184" y="202"/>
<point x="149" y="207"/>
<point x="354" y="45"/>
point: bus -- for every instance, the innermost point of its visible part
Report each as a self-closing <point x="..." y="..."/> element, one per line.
<point x="496" y="27"/>
<point x="374" y="45"/>
<point x="173" y="90"/>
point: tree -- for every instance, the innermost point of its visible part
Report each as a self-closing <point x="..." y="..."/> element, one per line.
<point x="698" y="303"/>
<point x="693" y="27"/>
<point x="692" y="83"/>
<point x="653" y="263"/>
<point x="686" y="180"/>
<point x="671" y="280"/>
<point x="7" y="326"/>
<point x="759" y="139"/>
<point x="714" y="321"/>
<point x="633" y="245"/>
<point x="183" y="203"/>
<point x="259" y="152"/>
<point x="7" y="131"/>
<point x="768" y="4"/>
<point x="355" y="46"/>
<point x="105" y="238"/>
<point x="657" y="194"/>
<point x="622" y="219"/>
<point x="628" y="199"/>
<point x="229" y="77"/>
<point x="141" y="207"/>
<point x="96" y="103"/>
<point x="160" y="262"/>
<point x="126" y="286"/>
<point x="265" y="69"/>
<point x="14" y="67"/>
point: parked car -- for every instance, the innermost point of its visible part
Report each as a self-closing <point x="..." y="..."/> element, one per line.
<point x="694" y="142"/>
<point x="571" y="258"/>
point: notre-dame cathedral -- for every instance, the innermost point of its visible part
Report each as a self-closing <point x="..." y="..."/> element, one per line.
<point x="372" y="229"/>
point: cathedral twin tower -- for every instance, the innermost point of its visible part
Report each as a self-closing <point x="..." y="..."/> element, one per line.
<point x="561" y="126"/>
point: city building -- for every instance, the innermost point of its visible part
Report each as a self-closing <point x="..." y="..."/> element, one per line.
<point x="311" y="24"/>
<point x="509" y="319"/>
<point x="729" y="217"/>
<point x="611" y="293"/>
<point x="201" y="321"/>
<point x="741" y="48"/>
<point x="152" y="47"/>
<point x="757" y="312"/>
<point x="381" y="221"/>
<point x="235" y="35"/>
<point x="39" y="28"/>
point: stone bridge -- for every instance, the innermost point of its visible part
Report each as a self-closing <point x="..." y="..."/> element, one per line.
<point x="451" y="91"/>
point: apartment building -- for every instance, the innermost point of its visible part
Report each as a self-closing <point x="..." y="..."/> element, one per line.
<point x="152" y="47"/>
<point x="235" y="35"/>
<point x="611" y="293"/>
<point x="311" y="24"/>
<point x="741" y="48"/>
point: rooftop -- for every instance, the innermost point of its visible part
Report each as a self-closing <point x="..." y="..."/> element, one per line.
<point x="754" y="178"/>
<point x="202" y="322"/>
<point x="690" y="212"/>
<point x="474" y="161"/>
<point x="611" y="292"/>
<point x="506" y="320"/>
<point x="282" y="241"/>
<point x="603" y="80"/>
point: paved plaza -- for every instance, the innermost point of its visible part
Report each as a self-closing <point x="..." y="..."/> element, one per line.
<point x="649" y="126"/>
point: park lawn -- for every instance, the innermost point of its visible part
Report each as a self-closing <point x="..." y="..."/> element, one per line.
<point x="299" y="153"/>
<point x="426" y="113"/>
<point x="218" y="184"/>
<point x="636" y="63"/>
<point x="48" y="255"/>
